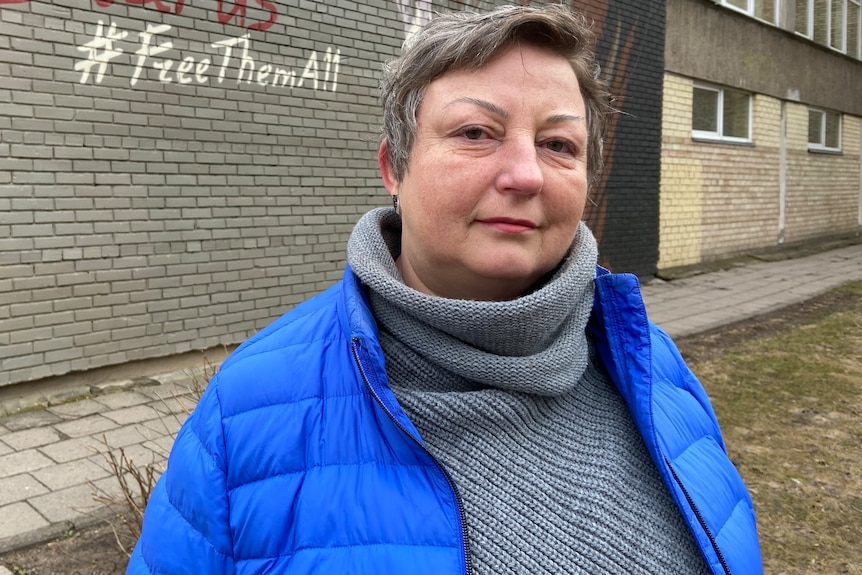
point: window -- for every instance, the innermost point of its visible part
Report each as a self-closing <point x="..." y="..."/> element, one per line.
<point x="854" y="22"/>
<point x="804" y="22"/>
<point x="824" y="130"/>
<point x="721" y="114"/>
<point x="833" y="23"/>
<point x="762" y="9"/>
<point x="836" y="28"/>
<point x="821" y="21"/>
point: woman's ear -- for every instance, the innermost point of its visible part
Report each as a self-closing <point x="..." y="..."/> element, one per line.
<point x="390" y="182"/>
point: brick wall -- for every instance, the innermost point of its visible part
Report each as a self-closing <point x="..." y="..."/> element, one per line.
<point x="823" y="190"/>
<point x="719" y="200"/>
<point x="681" y="198"/>
<point x="175" y="174"/>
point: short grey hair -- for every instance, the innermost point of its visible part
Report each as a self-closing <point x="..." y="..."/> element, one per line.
<point x="467" y="41"/>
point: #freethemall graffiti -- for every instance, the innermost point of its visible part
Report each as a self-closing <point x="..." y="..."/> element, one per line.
<point x="318" y="73"/>
<point x="155" y="49"/>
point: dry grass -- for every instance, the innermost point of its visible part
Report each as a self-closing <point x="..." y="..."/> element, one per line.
<point x="788" y="393"/>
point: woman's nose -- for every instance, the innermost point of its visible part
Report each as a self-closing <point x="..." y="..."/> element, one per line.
<point x="519" y="170"/>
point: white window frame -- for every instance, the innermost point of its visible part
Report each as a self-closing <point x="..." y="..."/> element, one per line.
<point x="718" y="135"/>
<point x="749" y="10"/>
<point x="842" y="6"/>
<point x="821" y="145"/>
<point x="831" y="7"/>
<point x="809" y="28"/>
<point x="858" y="4"/>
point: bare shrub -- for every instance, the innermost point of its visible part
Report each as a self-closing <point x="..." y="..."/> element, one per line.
<point x="127" y="509"/>
<point x="135" y="480"/>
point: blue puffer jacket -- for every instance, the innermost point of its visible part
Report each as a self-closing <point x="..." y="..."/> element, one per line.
<point x="298" y="459"/>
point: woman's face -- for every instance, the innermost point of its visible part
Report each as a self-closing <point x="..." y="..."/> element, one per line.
<point x="497" y="178"/>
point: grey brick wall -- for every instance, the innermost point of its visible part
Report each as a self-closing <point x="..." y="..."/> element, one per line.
<point x="173" y="177"/>
<point x="175" y="174"/>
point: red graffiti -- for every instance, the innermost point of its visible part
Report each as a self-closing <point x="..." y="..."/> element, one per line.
<point x="224" y="14"/>
<point x="239" y="7"/>
<point x="13" y="1"/>
<point x="159" y="5"/>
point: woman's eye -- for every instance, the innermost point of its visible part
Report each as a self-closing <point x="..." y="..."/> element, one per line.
<point x="473" y="133"/>
<point x="557" y="146"/>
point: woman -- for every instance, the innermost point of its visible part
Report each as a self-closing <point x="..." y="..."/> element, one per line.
<point x="471" y="398"/>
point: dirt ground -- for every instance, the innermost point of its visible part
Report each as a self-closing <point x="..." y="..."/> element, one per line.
<point x="787" y="506"/>
<point x="93" y="551"/>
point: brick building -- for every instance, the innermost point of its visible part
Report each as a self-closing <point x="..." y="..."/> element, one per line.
<point x="761" y="126"/>
<point x="175" y="174"/>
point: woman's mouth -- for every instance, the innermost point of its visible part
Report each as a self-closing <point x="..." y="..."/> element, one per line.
<point x="508" y="225"/>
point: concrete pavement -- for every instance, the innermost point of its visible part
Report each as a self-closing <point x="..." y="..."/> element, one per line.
<point x="702" y="302"/>
<point x="52" y="463"/>
<point x="52" y="460"/>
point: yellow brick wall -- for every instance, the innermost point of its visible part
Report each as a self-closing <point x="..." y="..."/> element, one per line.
<point x="680" y="201"/>
<point x="718" y="200"/>
<point x="822" y="189"/>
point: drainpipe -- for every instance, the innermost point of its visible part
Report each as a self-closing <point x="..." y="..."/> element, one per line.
<point x="782" y="173"/>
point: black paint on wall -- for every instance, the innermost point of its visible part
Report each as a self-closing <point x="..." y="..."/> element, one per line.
<point x="624" y="211"/>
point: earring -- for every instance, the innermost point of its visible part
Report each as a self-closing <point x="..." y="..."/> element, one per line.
<point x="395" y="201"/>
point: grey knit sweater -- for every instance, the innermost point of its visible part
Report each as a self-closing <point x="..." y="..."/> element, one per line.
<point x="512" y="399"/>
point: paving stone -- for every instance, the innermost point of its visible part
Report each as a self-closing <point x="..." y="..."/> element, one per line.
<point x="181" y="404"/>
<point x="71" y="449"/>
<point x="122" y="399"/>
<point x="77" y="472"/>
<point x="161" y="446"/>
<point x="67" y="504"/>
<point x="19" y="488"/>
<point x="167" y="425"/>
<point x="3" y="430"/>
<point x="168" y="390"/>
<point x="4" y="571"/>
<point x="137" y="456"/>
<point x="4" y="449"/>
<point x="134" y="414"/>
<point x="141" y="455"/>
<point x="77" y="409"/>
<point x="29" y="419"/>
<point x="19" y="518"/>
<point x="22" y="462"/>
<point x="90" y="425"/>
<point x="129" y="435"/>
<point x="109" y="487"/>
<point x="33" y="437"/>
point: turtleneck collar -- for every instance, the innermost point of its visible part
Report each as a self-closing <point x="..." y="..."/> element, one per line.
<point x="533" y="344"/>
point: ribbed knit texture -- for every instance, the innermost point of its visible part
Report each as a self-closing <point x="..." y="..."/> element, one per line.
<point x="510" y="397"/>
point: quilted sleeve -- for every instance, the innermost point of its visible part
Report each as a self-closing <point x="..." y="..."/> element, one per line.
<point x="187" y="521"/>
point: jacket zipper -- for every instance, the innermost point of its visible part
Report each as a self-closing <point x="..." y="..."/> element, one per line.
<point x="700" y="518"/>
<point x="465" y="542"/>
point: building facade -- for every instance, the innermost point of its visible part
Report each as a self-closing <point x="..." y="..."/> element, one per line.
<point x="761" y="126"/>
<point x="176" y="174"/>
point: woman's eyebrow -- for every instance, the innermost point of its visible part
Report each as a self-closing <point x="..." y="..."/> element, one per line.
<point x="561" y="118"/>
<point x="490" y="106"/>
<point x="495" y="109"/>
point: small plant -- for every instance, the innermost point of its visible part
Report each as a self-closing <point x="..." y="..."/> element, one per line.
<point x="136" y="486"/>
